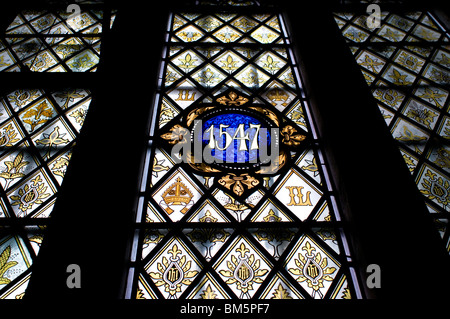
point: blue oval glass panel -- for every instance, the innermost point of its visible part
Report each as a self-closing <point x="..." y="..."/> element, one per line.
<point x="236" y="137"/>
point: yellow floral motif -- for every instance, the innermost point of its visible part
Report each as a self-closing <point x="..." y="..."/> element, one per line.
<point x="297" y="115"/>
<point x="390" y="97"/>
<point x="238" y="184"/>
<point x="38" y="115"/>
<point x="51" y="140"/>
<point x="189" y="36"/>
<point x="79" y="116"/>
<point x="59" y="167"/>
<point x="291" y="137"/>
<point x="427" y="35"/>
<point x="187" y="63"/>
<point x="410" y="137"/>
<point x="244" y="24"/>
<point x="177" y="22"/>
<point x="313" y="269"/>
<point x="139" y="294"/>
<point x="288" y="78"/>
<point x="436" y="188"/>
<point x="14" y="169"/>
<point x="158" y="167"/>
<point x="32" y="193"/>
<point x="227" y="35"/>
<point x="281" y="293"/>
<point x="208" y="77"/>
<point x="398" y="78"/>
<point x="440" y="76"/>
<point x="81" y="21"/>
<point x="373" y="64"/>
<point x="264" y="35"/>
<point x="274" y="236"/>
<point x="409" y="162"/>
<point x="3" y="63"/>
<point x="69" y="96"/>
<point x="270" y="65"/>
<point x="5" y="265"/>
<point x="421" y="114"/>
<point x="83" y="62"/>
<point x="443" y="159"/>
<point x="229" y="64"/>
<point x="208" y="293"/>
<point x="166" y="114"/>
<point x="243" y="271"/>
<point x="252" y="78"/>
<point x="393" y="35"/>
<point x="356" y="36"/>
<point x="410" y="61"/>
<point x="8" y="138"/>
<point x="68" y="48"/>
<point x="208" y="23"/>
<point x="312" y="166"/>
<point x="23" y="97"/>
<point x="41" y="63"/>
<point x="174" y="272"/>
<point x="445" y="60"/>
<point x="432" y="96"/>
<point x="233" y="99"/>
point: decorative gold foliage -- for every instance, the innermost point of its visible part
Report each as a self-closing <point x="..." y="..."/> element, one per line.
<point x="8" y="137"/>
<point x="243" y="271"/>
<point x="208" y="293"/>
<point x="174" y="272"/>
<point x="5" y="265"/>
<point x="38" y="115"/>
<point x="14" y="169"/>
<point x="233" y="99"/>
<point x="51" y="140"/>
<point x="239" y="183"/>
<point x="281" y="293"/>
<point x="313" y="269"/>
<point x="32" y="193"/>
<point x="436" y="188"/>
<point x="291" y="137"/>
<point x="177" y="134"/>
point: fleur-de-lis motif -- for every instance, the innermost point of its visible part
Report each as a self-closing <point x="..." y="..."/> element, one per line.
<point x="313" y="269"/>
<point x="187" y="63"/>
<point x="291" y="137"/>
<point x="229" y="64"/>
<point x="5" y="265"/>
<point x="243" y="271"/>
<point x="174" y="272"/>
<point x="51" y="140"/>
<point x="238" y="182"/>
<point x="270" y="64"/>
<point x="233" y="99"/>
<point x="398" y="78"/>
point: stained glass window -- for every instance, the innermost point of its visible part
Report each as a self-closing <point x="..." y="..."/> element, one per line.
<point x="234" y="227"/>
<point x="53" y="41"/>
<point x="39" y="130"/>
<point x="405" y="62"/>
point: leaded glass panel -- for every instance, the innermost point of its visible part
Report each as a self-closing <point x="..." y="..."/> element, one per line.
<point x="39" y="128"/>
<point x="32" y="41"/>
<point x="406" y="64"/>
<point x="207" y="231"/>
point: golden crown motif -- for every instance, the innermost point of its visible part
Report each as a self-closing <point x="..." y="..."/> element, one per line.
<point x="177" y="194"/>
